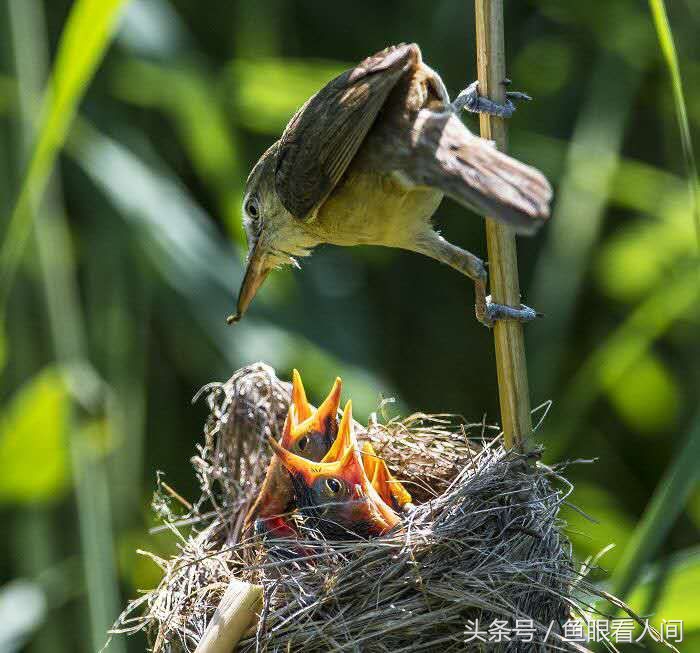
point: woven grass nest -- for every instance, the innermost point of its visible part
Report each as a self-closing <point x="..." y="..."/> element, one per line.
<point x="484" y="543"/>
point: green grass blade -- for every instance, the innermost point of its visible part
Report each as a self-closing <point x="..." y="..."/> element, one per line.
<point x="665" y="506"/>
<point x="668" y="49"/>
<point x="97" y="539"/>
<point x="83" y="43"/>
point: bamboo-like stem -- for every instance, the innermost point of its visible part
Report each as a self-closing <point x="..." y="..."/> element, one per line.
<point x="503" y="264"/>
<point x="237" y="609"/>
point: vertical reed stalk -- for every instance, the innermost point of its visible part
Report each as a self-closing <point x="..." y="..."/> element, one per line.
<point x="513" y="389"/>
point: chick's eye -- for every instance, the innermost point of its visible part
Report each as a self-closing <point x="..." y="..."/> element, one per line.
<point x="252" y="208"/>
<point x="333" y="484"/>
<point x="302" y="444"/>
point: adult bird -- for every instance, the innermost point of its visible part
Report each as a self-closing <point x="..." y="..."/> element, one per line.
<point x="368" y="159"/>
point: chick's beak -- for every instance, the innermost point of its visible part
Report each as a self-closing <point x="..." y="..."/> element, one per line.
<point x="276" y="491"/>
<point x="379" y="513"/>
<point x="369" y="459"/>
<point x="259" y="266"/>
<point x="299" y="400"/>
<point x="307" y="469"/>
<point x="345" y="438"/>
<point x="387" y="486"/>
<point x="345" y="455"/>
<point x="290" y="423"/>
<point x="328" y="410"/>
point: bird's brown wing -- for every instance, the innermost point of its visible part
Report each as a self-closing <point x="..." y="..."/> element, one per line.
<point x="322" y="138"/>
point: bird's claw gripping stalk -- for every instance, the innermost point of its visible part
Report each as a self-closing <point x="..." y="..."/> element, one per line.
<point x="488" y="312"/>
<point x="493" y="312"/>
<point x="470" y="100"/>
<point x="470" y="265"/>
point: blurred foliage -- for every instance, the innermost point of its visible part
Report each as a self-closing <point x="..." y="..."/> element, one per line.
<point x="22" y="609"/>
<point x="664" y="507"/>
<point x="116" y="285"/>
<point x="265" y="92"/>
<point x="33" y="430"/>
<point x="86" y="35"/>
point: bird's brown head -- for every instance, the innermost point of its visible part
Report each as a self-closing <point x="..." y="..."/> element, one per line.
<point x="335" y="494"/>
<point x="274" y="237"/>
<point x="259" y="210"/>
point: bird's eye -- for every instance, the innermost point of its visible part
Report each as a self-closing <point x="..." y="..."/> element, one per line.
<point x="333" y="484"/>
<point x="252" y="208"/>
<point x="302" y="444"/>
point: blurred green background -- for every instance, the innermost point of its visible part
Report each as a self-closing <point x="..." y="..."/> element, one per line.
<point x="113" y="313"/>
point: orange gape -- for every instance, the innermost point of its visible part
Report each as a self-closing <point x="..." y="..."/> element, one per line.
<point x="307" y="432"/>
<point x="335" y="494"/>
<point x="388" y="488"/>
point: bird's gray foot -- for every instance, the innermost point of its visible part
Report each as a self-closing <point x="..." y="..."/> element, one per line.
<point x="470" y="100"/>
<point x="488" y="312"/>
<point x="493" y="312"/>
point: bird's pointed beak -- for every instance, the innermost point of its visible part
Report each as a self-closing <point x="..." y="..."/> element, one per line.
<point x="276" y="490"/>
<point x="377" y="511"/>
<point x="299" y="400"/>
<point x="328" y="411"/>
<point x="346" y="457"/>
<point x="345" y="438"/>
<point x="257" y="269"/>
<point x="388" y="488"/>
<point x="348" y="465"/>
<point x="290" y="423"/>
<point x="296" y="465"/>
<point x="369" y="459"/>
<point x="324" y="419"/>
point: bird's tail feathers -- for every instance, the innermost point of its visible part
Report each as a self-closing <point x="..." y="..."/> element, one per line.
<point x="474" y="173"/>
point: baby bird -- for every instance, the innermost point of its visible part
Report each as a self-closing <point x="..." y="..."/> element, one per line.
<point x="306" y="433"/>
<point x="337" y="497"/>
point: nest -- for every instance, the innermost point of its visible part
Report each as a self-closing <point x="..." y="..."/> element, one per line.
<point x="483" y="546"/>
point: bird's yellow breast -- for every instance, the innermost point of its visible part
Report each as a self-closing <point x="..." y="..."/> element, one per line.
<point x="374" y="208"/>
